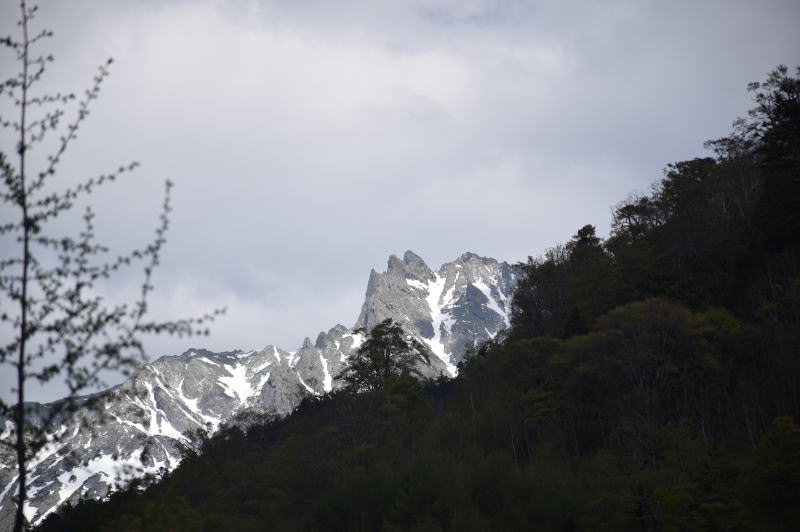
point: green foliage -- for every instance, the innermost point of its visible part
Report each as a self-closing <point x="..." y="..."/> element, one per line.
<point x="771" y="478"/>
<point x="558" y="294"/>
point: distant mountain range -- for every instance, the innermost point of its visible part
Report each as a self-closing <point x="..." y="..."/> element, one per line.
<point x="138" y="426"/>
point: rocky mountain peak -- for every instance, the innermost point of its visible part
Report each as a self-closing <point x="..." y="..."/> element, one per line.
<point x="416" y="267"/>
<point x="463" y="303"/>
<point x="412" y="266"/>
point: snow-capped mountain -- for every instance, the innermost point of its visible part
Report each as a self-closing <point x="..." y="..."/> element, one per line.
<point x="139" y="426"/>
<point x="464" y="303"/>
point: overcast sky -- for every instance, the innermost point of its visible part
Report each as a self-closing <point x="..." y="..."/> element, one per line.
<point x="309" y="140"/>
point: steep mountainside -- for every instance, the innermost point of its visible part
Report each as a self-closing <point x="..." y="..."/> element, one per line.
<point x="141" y="424"/>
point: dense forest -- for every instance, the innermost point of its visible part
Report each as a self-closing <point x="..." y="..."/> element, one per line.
<point x="649" y="381"/>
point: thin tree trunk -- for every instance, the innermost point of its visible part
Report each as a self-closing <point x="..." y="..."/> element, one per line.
<point x="527" y="439"/>
<point x="513" y="445"/>
<point x="19" y="521"/>
<point x="472" y="406"/>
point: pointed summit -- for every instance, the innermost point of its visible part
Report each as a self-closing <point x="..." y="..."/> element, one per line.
<point x="395" y="266"/>
<point x="412" y="266"/>
<point x="372" y="284"/>
<point x="416" y="266"/>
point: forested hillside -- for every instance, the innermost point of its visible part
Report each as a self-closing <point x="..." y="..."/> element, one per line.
<point x="649" y="381"/>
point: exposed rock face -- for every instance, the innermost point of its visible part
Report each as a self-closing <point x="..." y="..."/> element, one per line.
<point x="464" y="303"/>
<point x="138" y="427"/>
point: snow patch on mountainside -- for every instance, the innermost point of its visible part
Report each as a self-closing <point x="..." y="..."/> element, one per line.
<point x="237" y="385"/>
<point x="327" y="383"/>
<point x="483" y="287"/>
<point x="436" y="303"/>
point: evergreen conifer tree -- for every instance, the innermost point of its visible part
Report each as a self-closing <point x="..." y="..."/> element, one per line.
<point x="387" y="351"/>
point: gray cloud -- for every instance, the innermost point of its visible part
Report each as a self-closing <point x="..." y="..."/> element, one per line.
<point x="309" y="140"/>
